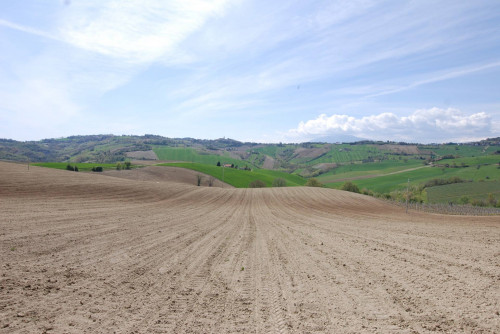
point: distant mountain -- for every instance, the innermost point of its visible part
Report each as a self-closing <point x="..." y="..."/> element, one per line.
<point x="290" y="157"/>
<point x="338" y="139"/>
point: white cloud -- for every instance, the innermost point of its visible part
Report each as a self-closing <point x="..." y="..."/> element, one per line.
<point x="424" y="125"/>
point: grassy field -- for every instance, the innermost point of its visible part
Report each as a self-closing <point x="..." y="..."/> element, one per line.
<point x="341" y="154"/>
<point x="192" y="155"/>
<point x="82" y="166"/>
<point x="461" y="150"/>
<point x="241" y="178"/>
<point x="371" y="168"/>
<point x="473" y="190"/>
<point x="388" y="183"/>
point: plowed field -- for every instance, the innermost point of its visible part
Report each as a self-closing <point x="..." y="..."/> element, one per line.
<point x="87" y="253"/>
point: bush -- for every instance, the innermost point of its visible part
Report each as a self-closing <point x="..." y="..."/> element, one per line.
<point x="440" y="182"/>
<point x="97" y="169"/>
<point x="312" y="182"/>
<point x="128" y="164"/>
<point x="257" y="184"/>
<point x="367" y="192"/>
<point x="349" y="186"/>
<point x="69" y="167"/>
<point x="76" y="168"/>
<point x="478" y="202"/>
<point x="118" y="166"/>
<point x="463" y="200"/>
<point x="492" y="200"/>
<point x="279" y="182"/>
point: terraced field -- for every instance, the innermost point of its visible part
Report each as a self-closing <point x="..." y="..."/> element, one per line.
<point x="92" y="253"/>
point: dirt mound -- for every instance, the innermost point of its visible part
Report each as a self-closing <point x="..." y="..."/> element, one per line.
<point x="268" y="163"/>
<point x="312" y="153"/>
<point x="90" y="253"/>
<point x="401" y="149"/>
<point x="166" y="174"/>
<point x="143" y="155"/>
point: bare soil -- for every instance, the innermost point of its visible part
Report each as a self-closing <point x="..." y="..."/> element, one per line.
<point x="312" y="153"/>
<point x="88" y="253"/>
<point x="144" y="155"/>
<point x="407" y="149"/>
<point x="268" y="163"/>
<point x="166" y="174"/>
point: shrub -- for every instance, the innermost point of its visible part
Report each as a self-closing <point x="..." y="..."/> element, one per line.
<point x="128" y="165"/>
<point x="463" y="200"/>
<point x="118" y="166"/>
<point x="312" y="182"/>
<point x="198" y="180"/>
<point x="492" y="200"/>
<point x="367" y="192"/>
<point x="69" y="167"/>
<point x="478" y="202"/>
<point x="257" y="184"/>
<point x="279" y="182"/>
<point x="97" y="169"/>
<point x="76" y="168"/>
<point x="349" y="186"/>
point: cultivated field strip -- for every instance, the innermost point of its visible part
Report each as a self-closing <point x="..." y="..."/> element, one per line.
<point x="87" y="253"/>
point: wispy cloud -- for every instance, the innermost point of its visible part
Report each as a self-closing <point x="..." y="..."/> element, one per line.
<point x="135" y="31"/>
<point x="264" y="65"/>
<point x="449" y="74"/>
<point x="429" y="125"/>
<point x="28" y="30"/>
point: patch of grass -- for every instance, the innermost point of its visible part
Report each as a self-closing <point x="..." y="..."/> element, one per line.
<point x="188" y="154"/>
<point x="82" y="166"/>
<point x="388" y="183"/>
<point x="371" y="168"/>
<point x="453" y="192"/>
<point x="241" y="178"/>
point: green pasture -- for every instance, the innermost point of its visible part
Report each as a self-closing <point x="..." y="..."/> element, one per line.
<point x="461" y="150"/>
<point x="191" y="155"/>
<point x="241" y="178"/>
<point x="388" y="183"/>
<point x="341" y="154"/>
<point x="82" y="166"/>
<point x="453" y="192"/>
<point x="371" y="168"/>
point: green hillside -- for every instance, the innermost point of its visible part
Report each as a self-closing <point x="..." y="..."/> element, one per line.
<point x="241" y="178"/>
<point x="464" y="192"/>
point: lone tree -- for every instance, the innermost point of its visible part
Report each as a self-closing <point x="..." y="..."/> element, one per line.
<point x="198" y="179"/>
<point x="218" y="163"/>
<point x="128" y="164"/>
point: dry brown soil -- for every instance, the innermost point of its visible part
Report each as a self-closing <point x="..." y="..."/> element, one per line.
<point x="166" y="174"/>
<point x="87" y="253"/>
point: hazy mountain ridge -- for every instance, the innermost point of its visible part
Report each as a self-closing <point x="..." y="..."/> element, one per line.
<point x="111" y="148"/>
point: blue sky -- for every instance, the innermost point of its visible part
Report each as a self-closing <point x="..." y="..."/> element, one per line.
<point x="265" y="71"/>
